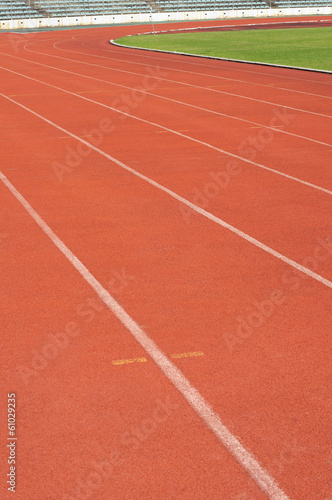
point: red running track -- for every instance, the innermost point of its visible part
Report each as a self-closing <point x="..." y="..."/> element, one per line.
<point x="186" y="203"/>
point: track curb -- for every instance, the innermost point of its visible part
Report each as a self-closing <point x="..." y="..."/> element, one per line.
<point x="243" y="61"/>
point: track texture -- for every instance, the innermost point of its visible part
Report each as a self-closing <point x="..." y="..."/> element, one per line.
<point x="217" y="242"/>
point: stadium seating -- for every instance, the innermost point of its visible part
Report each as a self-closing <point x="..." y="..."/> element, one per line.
<point x="17" y="9"/>
<point x="26" y="9"/>
<point x="302" y="3"/>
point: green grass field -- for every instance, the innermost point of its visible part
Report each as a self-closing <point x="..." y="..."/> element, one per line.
<point x="303" y="47"/>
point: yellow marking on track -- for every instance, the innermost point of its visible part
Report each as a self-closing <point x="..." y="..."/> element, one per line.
<point x="187" y="355"/>
<point x="118" y="362"/>
<point x="128" y="361"/>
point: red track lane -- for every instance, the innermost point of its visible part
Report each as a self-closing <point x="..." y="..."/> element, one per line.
<point x="187" y="281"/>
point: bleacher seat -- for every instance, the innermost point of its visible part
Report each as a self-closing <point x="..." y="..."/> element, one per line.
<point x="25" y="9"/>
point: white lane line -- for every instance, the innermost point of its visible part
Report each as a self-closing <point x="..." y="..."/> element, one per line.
<point x="178" y="82"/>
<point x="189" y="72"/>
<point x="262" y="478"/>
<point x="180" y="134"/>
<point x="179" y="198"/>
<point x="195" y="74"/>
<point x="172" y="100"/>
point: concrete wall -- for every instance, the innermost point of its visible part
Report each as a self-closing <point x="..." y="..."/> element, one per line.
<point x="160" y="17"/>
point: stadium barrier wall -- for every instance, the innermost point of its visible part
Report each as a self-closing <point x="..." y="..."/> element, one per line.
<point x="53" y="22"/>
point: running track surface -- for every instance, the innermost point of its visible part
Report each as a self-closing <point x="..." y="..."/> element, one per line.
<point x="241" y="313"/>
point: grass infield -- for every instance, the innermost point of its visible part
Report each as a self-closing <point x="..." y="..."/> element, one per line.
<point x="301" y="47"/>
